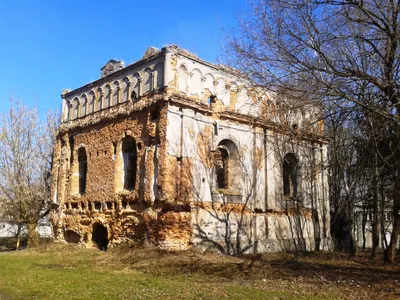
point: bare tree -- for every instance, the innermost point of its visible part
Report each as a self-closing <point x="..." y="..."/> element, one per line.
<point x="342" y="51"/>
<point x="26" y="147"/>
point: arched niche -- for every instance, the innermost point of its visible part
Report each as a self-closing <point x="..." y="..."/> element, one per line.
<point x="99" y="101"/>
<point x="136" y="91"/>
<point x="158" y="75"/>
<point x="209" y="83"/>
<point x="75" y="110"/>
<point x="147" y="80"/>
<point x="68" y="111"/>
<point x="195" y="82"/>
<point x="126" y="85"/>
<point x="183" y="79"/>
<point x="116" y="93"/>
<point x="92" y="100"/>
<point x="83" y="109"/>
<point x="107" y="97"/>
<point x="220" y="90"/>
<point x="208" y="88"/>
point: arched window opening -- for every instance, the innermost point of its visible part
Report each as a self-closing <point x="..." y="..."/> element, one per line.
<point x="290" y="175"/>
<point x="129" y="157"/>
<point x="227" y="166"/>
<point x="82" y="160"/>
<point x="222" y="166"/>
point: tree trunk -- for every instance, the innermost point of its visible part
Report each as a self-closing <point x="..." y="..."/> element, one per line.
<point x="350" y="217"/>
<point x="363" y="228"/>
<point x="382" y="219"/>
<point x="375" y="212"/>
<point x="33" y="238"/>
<point x="391" y="250"/>
<point x="353" y="243"/>
<point x="18" y="236"/>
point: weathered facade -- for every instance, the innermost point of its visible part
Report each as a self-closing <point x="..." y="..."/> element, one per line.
<point x="177" y="152"/>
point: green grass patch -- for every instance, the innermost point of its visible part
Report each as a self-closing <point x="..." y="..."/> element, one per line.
<point x="72" y="273"/>
<point x="69" y="272"/>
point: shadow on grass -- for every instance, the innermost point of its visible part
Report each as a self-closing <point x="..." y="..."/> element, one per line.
<point x="302" y="271"/>
<point x="332" y="267"/>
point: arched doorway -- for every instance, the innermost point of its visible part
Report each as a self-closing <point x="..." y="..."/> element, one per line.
<point x="100" y="236"/>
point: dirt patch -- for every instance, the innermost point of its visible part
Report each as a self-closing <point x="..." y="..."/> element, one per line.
<point x="3" y="296"/>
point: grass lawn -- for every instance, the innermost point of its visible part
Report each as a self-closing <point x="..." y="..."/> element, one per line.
<point x="69" y="272"/>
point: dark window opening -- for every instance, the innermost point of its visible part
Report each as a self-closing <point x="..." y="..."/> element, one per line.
<point x="100" y="236"/>
<point x="71" y="237"/>
<point x="109" y="205"/>
<point x="222" y="166"/>
<point x="97" y="205"/>
<point x="290" y="175"/>
<point x="139" y="146"/>
<point x="74" y="205"/>
<point x="133" y="95"/>
<point x="129" y="160"/>
<point x="124" y="204"/>
<point x="82" y="160"/>
<point x="211" y="99"/>
<point x="154" y="115"/>
<point x="115" y="148"/>
<point x="71" y="147"/>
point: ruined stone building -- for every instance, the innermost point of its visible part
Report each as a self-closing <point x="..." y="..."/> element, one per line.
<point x="178" y="152"/>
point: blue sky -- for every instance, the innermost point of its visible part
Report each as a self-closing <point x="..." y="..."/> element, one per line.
<point x="50" y="45"/>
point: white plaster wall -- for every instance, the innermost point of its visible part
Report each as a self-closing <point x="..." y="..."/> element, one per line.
<point x="251" y="232"/>
<point x="8" y="229"/>
<point x="262" y="180"/>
